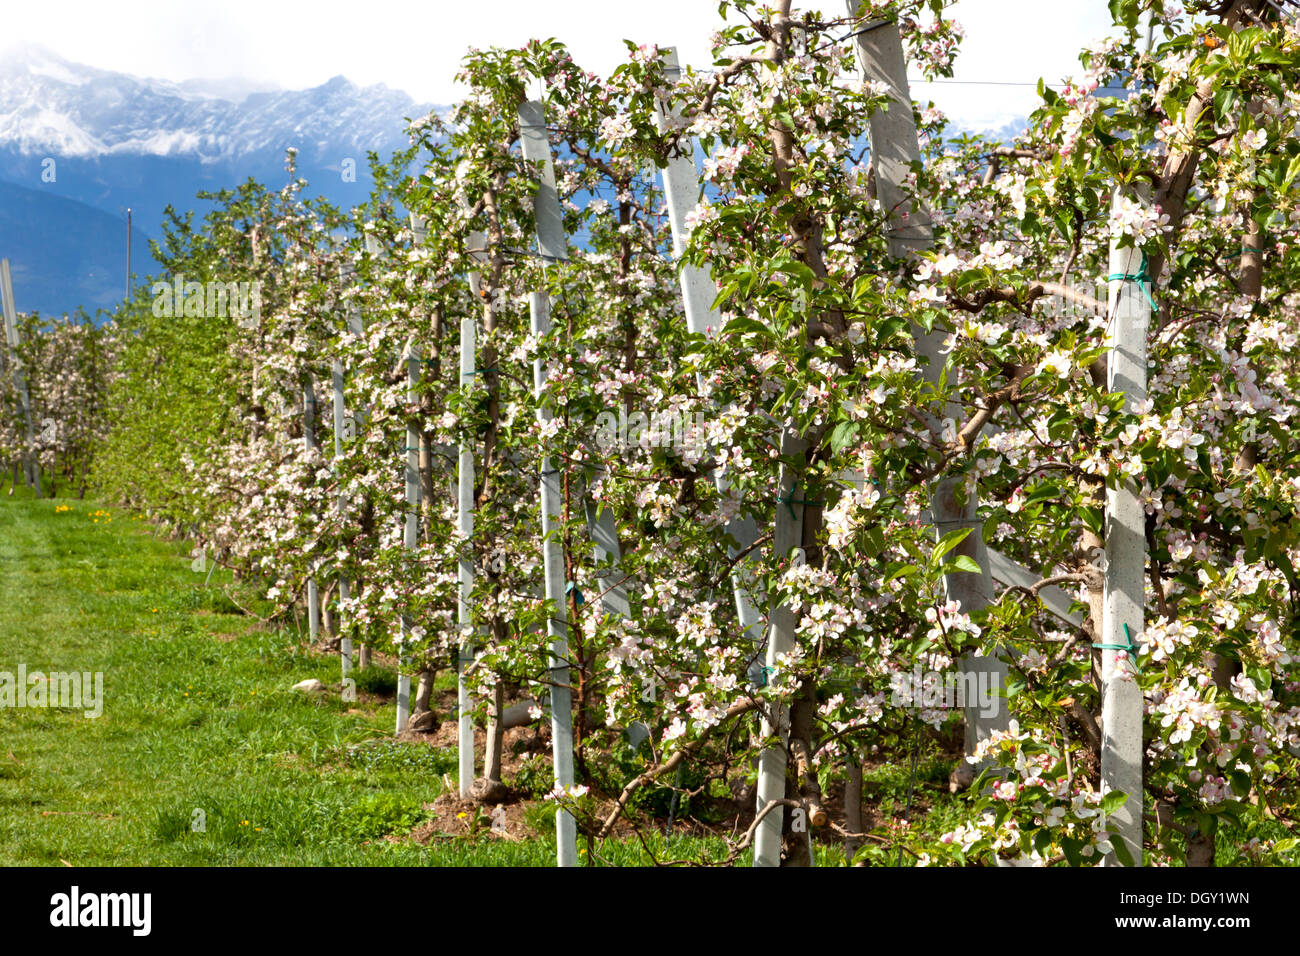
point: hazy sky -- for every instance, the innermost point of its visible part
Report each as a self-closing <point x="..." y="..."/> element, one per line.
<point x="415" y="46"/>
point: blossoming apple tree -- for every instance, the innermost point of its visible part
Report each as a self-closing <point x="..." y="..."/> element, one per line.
<point x="847" y="384"/>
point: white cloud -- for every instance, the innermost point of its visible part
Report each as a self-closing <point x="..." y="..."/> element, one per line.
<point x="1013" y="41"/>
<point x="417" y="47"/>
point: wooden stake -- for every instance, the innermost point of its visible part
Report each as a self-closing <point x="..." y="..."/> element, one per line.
<point x="339" y="414"/>
<point x="30" y="470"/>
<point x="465" y="526"/>
<point x="411" y="531"/>
<point x="603" y="532"/>
<point x="309" y="443"/>
<point x="1124" y="594"/>
<point x="553" y="247"/>
<point x="681" y="181"/>
<point x="895" y="149"/>
<point x="682" y="187"/>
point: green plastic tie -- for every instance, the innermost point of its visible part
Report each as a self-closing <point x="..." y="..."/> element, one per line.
<point x="789" y="500"/>
<point x="1140" y="277"/>
<point x="1132" y="648"/>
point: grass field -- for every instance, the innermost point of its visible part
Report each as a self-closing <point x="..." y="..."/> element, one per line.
<point x="203" y="755"/>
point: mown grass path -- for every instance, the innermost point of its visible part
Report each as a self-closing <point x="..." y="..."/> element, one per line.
<point x="202" y="755"/>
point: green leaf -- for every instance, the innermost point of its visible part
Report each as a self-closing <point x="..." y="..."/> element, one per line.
<point x="1073" y="851"/>
<point x="1292" y="171"/>
<point x="842" y="434"/>
<point x="1284" y="563"/>
<point x="1121" y="851"/>
<point x="875" y="542"/>
<point x="1113" y="801"/>
<point x="991" y="526"/>
<point x="947" y="543"/>
<point x="1042" y="840"/>
<point x="1092" y="519"/>
<point x="1241" y="783"/>
<point x="1286" y="846"/>
<point x="1125" y="12"/>
<point x="743" y="324"/>
<point x="900" y="571"/>
<point x="964" y="562"/>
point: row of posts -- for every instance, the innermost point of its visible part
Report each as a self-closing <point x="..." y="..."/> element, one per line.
<point x="895" y="150"/>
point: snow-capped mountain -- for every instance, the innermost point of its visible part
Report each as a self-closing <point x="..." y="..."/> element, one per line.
<point x="53" y="107"/>
<point x="111" y="141"/>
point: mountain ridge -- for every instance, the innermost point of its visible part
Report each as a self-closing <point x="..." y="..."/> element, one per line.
<point x="54" y="106"/>
<point x="111" y="141"/>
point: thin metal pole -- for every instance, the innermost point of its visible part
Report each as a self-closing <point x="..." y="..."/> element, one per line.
<point x="128" y="255"/>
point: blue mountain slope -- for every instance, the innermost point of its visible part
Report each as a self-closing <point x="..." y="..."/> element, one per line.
<point x="109" y="141"/>
<point x="64" y="253"/>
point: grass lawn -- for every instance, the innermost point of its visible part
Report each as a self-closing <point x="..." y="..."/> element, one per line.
<point x="203" y="755"/>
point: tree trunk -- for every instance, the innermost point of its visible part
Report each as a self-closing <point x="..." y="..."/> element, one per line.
<point x="490" y="788"/>
<point x="853" y="808"/>
<point x="495" y="736"/>
<point x="1200" y="845"/>
<point x="326" y="616"/>
<point x="801" y="781"/>
<point x="422" y="716"/>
